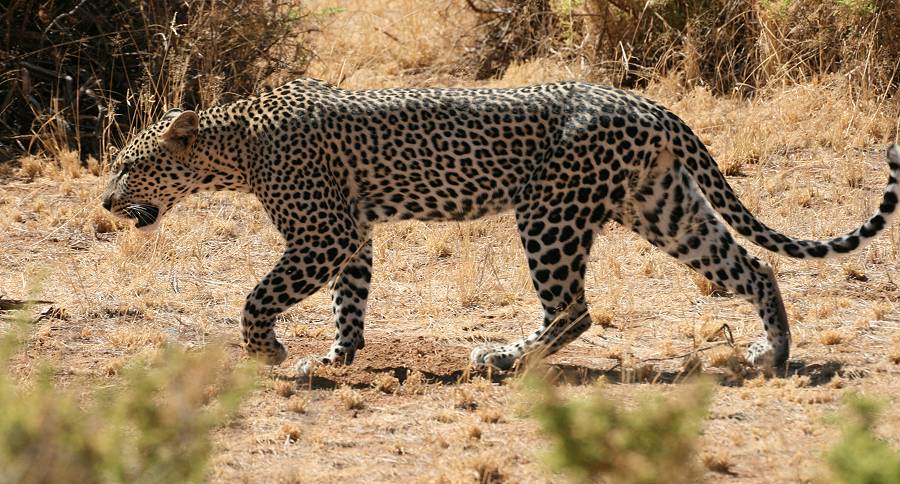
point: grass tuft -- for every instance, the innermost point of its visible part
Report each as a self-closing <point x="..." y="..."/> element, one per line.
<point x="386" y="383"/>
<point x="350" y="399"/>
<point x="152" y="426"/>
<point x="595" y="438"/>
<point x="291" y="433"/>
<point x="860" y="455"/>
<point x="298" y="405"/>
<point x="831" y="337"/>
<point x="285" y="388"/>
<point x="718" y="461"/>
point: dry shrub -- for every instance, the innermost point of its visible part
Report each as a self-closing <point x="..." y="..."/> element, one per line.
<point x="484" y="468"/>
<point x="707" y="287"/>
<point x="491" y="415"/>
<point x="729" y="45"/>
<point x="881" y="310"/>
<point x="465" y="398"/>
<point x="298" y="405"/>
<point x="737" y="45"/>
<point x="894" y="353"/>
<point x="512" y="31"/>
<point x="854" y="272"/>
<point x="718" y="461"/>
<point x="133" y="339"/>
<point x="603" y="317"/>
<point x="82" y="75"/>
<point x="415" y="384"/>
<point x="69" y="164"/>
<point x="31" y="167"/>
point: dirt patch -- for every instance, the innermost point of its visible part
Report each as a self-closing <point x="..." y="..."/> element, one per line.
<point x="395" y="356"/>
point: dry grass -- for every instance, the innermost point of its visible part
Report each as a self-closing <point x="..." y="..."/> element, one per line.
<point x="832" y="337"/>
<point x="285" y="389"/>
<point x="350" y="399"/>
<point x="415" y="384"/>
<point x="483" y="469"/>
<point x="718" y="462"/>
<point x="291" y="433"/>
<point x="465" y="399"/>
<point x="894" y="354"/>
<point x="389" y="42"/>
<point x="299" y="405"/>
<point x="387" y="384"/>
<point x="809" y="160"/>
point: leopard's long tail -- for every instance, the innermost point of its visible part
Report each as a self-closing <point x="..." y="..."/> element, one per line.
<point x="722" y="197"/>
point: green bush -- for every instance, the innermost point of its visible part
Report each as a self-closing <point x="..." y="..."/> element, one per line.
<point x="595" y="438"/>
<point x="861" y="457"/>
<point x="153" y="427"/>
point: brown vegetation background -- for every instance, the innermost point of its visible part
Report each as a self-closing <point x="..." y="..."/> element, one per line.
<point x="797" y="100"/>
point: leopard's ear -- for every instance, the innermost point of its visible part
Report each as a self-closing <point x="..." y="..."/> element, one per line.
<point x="182" y="131"/>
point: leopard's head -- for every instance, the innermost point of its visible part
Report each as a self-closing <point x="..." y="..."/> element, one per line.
<point x="155" y="170"/>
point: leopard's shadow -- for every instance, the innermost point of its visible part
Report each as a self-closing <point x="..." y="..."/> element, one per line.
<point x="571" y="374"/>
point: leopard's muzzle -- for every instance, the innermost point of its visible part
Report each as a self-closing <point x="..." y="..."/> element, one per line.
<point x="143" y="214"/>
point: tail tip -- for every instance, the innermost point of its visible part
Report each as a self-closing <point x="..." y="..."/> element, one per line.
<point x="894" y="153"/>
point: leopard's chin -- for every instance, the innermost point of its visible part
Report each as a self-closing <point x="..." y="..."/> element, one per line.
<point x="144" y="215"/>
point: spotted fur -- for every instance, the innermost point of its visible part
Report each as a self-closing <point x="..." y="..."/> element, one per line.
<point x="328" y="163"/>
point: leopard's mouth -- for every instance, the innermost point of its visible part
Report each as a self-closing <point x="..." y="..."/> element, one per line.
<point x="143" y="214"/>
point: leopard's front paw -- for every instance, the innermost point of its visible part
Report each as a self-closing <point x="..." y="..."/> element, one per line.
<point x="338" y="355"/>
<point x="497" y="357"/>
<point x="760" y="354"/>
<point x="341" y="355"/>
<point x="764" y="357"/>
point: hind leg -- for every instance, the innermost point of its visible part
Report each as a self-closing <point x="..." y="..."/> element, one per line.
<point x="557" y="256"/>
<point x="672" y="215"/>
<point x="752" y="279"/>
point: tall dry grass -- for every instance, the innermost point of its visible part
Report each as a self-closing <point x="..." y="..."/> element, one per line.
<point x="728" y="45"/>
<point x="83" y="76"/>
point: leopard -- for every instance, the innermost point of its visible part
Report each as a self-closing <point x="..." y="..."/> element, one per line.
<point x="328" y="164"/>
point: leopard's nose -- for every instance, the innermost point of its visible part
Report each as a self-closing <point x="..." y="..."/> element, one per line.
<point x="107" y="203"/>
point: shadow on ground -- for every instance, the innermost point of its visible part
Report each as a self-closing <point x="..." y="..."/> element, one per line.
<point x="330" y="378"/>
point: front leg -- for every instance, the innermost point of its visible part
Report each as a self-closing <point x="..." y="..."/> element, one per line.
<point x="349" y="295"/>
<point x="297" y="274"/>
